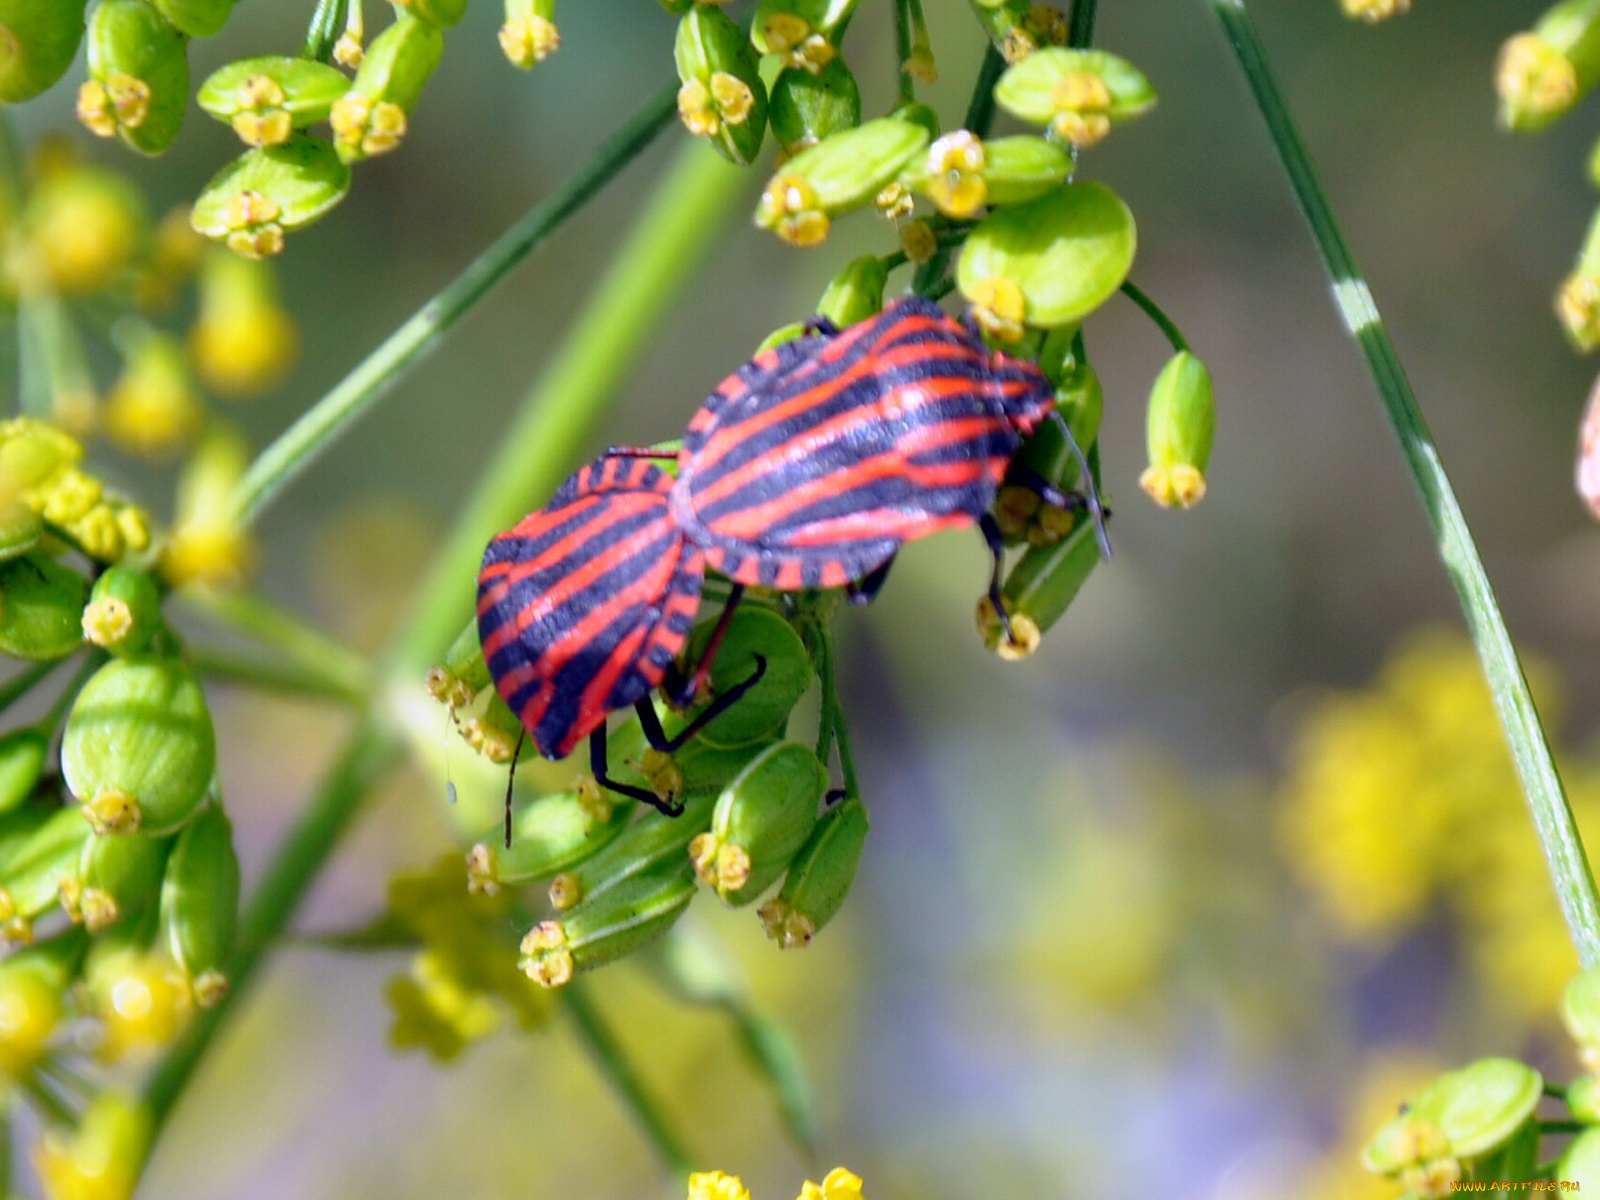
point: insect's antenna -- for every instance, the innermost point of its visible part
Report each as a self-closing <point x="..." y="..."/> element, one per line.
<point x="449" y="783"/>
<point x="511" y="778"/>
<point x="1092" y="493"/>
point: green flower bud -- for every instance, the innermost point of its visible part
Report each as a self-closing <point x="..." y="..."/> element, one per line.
<point x="782" y="334"/>
<point x="266" y="99"/>
<point x="443" y="13"/>
<point x="1181" y="420"/>
<point x="1583" y="1098"/>
<point x="371" y="118"/>
<point x="1049" y="262"/>
<point x="548" y="835"/>
<point x="799" y="31"/>
<point x="1580" y="1163"/>
<point x="38" y="39"/>
<point x="529" y="34"/>
<point x="196" y="18"/>
<point x="116" y="876"/>
<point x="1079" y="94"/>
<point x="653" y="842"/>
<point x="806" y="108"/>
<point x="138" y="83"/>
<point x="1578" y="300"/>
<point x="722" y="97"/>
<point x="263" y="194"/>
<point x="46" y="855"/>
<point x="102" y="1157"/>
<point x="1039" y="589"/>
<point x="456" y="682"/>
<point x="20" y="529"/>
<point x="762" y="713"/>
<point x="762" y="819"/>
<point x="1461" y="1115"/>
<point x="1542" y="74"/>
<point x="495" y="731"/>
<point x="124" y="611"/>
<point x="608" y="926"/>
<point x="139" y="750"/>
<point x="856" y="293"/>
<point x="41" y="603"/>
<point x="697" y="766"/>
<point x="22" y="757"/>
<point x="200" y="903"/>
<point x="32" y="984"/>
<point x="819" y="878"/>
<point x="837" y="175"/>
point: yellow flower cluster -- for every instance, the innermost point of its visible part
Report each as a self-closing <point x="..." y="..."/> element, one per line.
<point x="1386" y="1080"/>
<point x="837" y="1184"/>
<point x="39" y="474"/>
<point x="1403" y="796"/>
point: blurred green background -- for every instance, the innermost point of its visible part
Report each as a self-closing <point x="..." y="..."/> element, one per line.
<point x="1122" y="928"/>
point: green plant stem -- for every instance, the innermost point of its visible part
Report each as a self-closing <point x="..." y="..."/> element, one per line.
<point x="327" y="23"/>
<point x="1552" y="816"/>
<point x="370" y="753"/>
<point x="683" y="215"/>
<point x="308" y="653"/>
<point x="24" y="681"/>
<point x="902" y="48"/>
<point x="1549" y="1127"/>
<point x="316" y="430"/>
<point x="1080" y="24"/>
<point x="48" y="1103"/>
<point x="608" y="1055"/>
<point x="561" y="414"/>
<point x="253" y="671"/>
<point x="1154" y="311"/>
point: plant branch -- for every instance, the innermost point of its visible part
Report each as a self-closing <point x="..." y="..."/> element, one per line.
<point x="253" y="671"/>
<point x="1080" y="24"/>
<point x="1552" y="816"/>
<point x="902" y="49"/>
<point x="608" y="1055"/>
<point x="1154" y="311"/>
<point x="316" y="430"/>
<point x="327" y="23"/>
<point x="309" y="653"/>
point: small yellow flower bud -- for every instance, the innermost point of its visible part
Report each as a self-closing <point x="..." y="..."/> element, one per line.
<point x="107" y="621"/>
<point x="1024" y="630"/>
<point x="102" y="1158"/>
<point x="141" y="1002"/>
<point x="1373" y="11"/>
<point x="29" y="1011"/>
<point x="112" y="811"/>
<point x="1536" y="80"/>
<point x="791" y="38"/>
<point x="955" y="174"/>
<point x="565" y="891"/>
<point x="154" y="409"/>
<point x="70" y="496"/>
<point x="529" y="40"/>
<point x="920" y="65"/>
<point x="999" y="306"/>
<point x="716" y="1185"/>
<point x="918" y="241"/>
<point x="348" y="50"/>
<point x="206" y="544"/>
<point x="732" y="96"/>
<point x="789" y="207"/>
<point x="1578" y="307"/>
<point x="837" y="1184"/>
<point x="243" y="342"/>
<point x="1017" y="45"/>
<point x="787" y="926"/>
<point x="895" y="201"/>
<point x="545" y="957"/>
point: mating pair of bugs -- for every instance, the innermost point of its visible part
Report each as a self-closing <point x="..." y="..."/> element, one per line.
<point x="809" y="467"/>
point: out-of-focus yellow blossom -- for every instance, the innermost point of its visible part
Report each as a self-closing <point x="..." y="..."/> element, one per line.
<point x="1386" y="1081"/>
<point x="716" y="1185"/>
<point x="141" y="1002"/>
<point x="1404" y="795"/>
<point x="837" y="1184"/>
<point x="84" y="226"/>
<point x="243" y="341"/>
<point x="154" y="409"/>
<point x="208" y="545"/>
<point x="102" y="1158"/>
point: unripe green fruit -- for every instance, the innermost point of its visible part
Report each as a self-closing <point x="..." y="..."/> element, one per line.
<point x="38" y="39"/>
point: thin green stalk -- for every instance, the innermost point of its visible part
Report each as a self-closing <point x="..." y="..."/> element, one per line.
<point x="306" y="651"/>
<point x="371" y="752"/>
<point x="317" y="429"/>
<point x="1552" y="816"/>
<point x="327" y="23"/>
<point x="1166" y="324"/>
<point x="902" y="49"/>
<point x="58" y="709"/>
<point x="561" y="415"/>
<point x="1080" y="24"/>
<point x="24" y="681"/>
<point x="613" y="1062"/>
<point x="48" y="1103"/>
<point x="287" y="677"/>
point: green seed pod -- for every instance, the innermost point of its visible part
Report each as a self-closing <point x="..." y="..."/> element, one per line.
<point x="1583" y="1098"/>
<point x="1039" y="589"/>
<point x="698" y="766"/>
<point x="1018" y="169"/>
<point x="761" y="820"/>
<point x="22" y="757"/>
<point x="443" y="13"/>
<point x="722" y="97"/>
<point x="653" y="842"/>
<point x="263" y="194"/>
<point x="266" y="99"/>
<point x="20" y="530"/>
<point x="837" y="175"/>
<point x="1051" y="261"/>
<point x="456" y="681"/>
<point x="124" y="612"/>
<point x="1542" y="74"/>
<point x="196" y="18"/>
<point x="529" y="35"/>
<point x="118" y="875"/>
<point x="806" y="108"/>
<point x="1580" y="1162"/>
<point x="608" y="927"/>
<point x="1461" y="1115"/>
<point x="800" y="32"/>
<point x="782" y="334"/>
<point x="763" y="712"/>
<point x="1006" y="23"/>
<point x="139" y="750"/>
<point x="548" y="835"/>
<point x="38" y="39"/>
<point x="1578" y="301"/>
<point x="41" y="604"/>
<point x="856" y="293"/>
<point x="138" y="83"/>
<point x="45" y="857"/>
<point x="819" y="879"/>
<point x="200" y="903"/>
<point x="33" y="982"/>
<point x="371" y="118"/>
<point x="1181" y="421"/>
<point x="1079" y="94"/>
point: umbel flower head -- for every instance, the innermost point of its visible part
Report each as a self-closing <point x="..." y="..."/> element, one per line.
<point x="838" y="1184"/>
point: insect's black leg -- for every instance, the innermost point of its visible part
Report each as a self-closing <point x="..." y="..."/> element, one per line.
<point x="820" y="326"/>
<point x="639" y="452"/>
<point x="657" y="737"/>
<point x="680" y="689"/>
<point x="865" y="590"/>
<point x="598" y="766"/>
<point x="511" y="778"/>
<point x="1091" y="493"/>
<point x="997" y="547"/>
<point x="833" y="797"/>
<point x="1041" y="487"/>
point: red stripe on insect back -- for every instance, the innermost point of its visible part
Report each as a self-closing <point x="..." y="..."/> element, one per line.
<point x="876" y="524"/>
<point x="534" y="526"/>
<point x="628" y="653"/>
<point x="619" y="508"/>
<point x="904" y="400"/>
